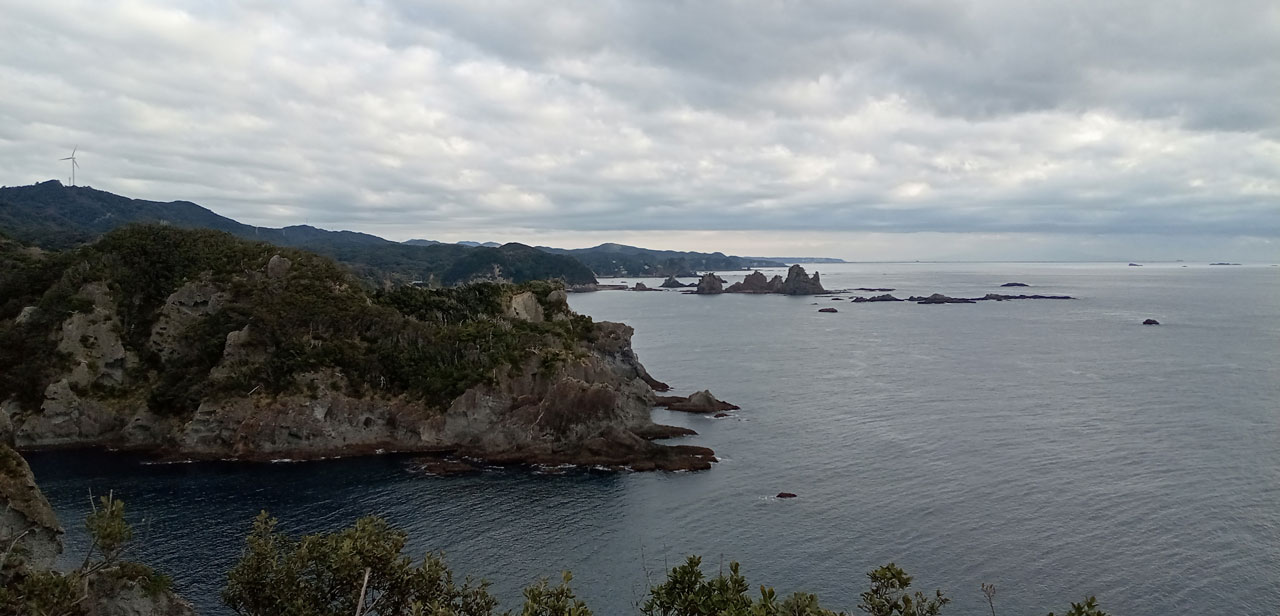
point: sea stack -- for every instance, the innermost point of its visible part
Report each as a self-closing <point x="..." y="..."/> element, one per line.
<point x="799" y="283"/>
<point x="755" y="282"/>
<point x="710" y="284"/>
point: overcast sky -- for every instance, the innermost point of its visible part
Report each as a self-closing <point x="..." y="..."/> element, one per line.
<point x="861" y="129"/>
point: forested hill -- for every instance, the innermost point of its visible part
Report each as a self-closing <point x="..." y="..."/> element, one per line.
<point x="622" y="260"/>
<point x="54" y="216"/>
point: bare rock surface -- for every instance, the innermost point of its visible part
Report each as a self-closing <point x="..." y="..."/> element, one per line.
<point x="710" y="284"/>
<point x="700" y="402"/>
<point x="26" y="519"/>
<point x="800" y="283"/>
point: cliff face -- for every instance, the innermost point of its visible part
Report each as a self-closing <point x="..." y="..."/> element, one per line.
<point x="32" y="540"/>
<point x="26" y="519"/>
<point x="248" y="352"/>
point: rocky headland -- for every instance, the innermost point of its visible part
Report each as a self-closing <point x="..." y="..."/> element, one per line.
<point x="195" y="345"/>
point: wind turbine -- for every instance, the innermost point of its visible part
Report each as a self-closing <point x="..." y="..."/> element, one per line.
<point x="74" y="164"/>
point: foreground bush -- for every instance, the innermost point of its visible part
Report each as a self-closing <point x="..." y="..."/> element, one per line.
<point x="360" y="570"/>
<point x="28" y="592"/>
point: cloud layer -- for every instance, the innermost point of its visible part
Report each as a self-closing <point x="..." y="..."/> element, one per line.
<point x="482" y="118"/>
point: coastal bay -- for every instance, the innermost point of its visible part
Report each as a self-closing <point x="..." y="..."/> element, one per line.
<point x="960" y="441"/>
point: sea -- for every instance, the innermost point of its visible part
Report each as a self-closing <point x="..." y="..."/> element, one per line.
<point x="1054" y="448"/>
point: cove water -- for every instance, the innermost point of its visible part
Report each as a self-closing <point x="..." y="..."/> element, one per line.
<point x="1054" y="448"/>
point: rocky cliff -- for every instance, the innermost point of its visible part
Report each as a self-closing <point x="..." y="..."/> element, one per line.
<point x="193" y="344"/>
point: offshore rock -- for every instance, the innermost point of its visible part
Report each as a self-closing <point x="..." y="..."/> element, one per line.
<point x="710" y="284"/>
<point x="827" y="310"/>
<point x="672" y="283"/>
<point x="1150" y="322"/>
<point x="938" y="298"/>
<point x="700" y="402"/>
<point x="755" y="282"/>
<point x="878" y="298"/>
<point x="799" y="283"/>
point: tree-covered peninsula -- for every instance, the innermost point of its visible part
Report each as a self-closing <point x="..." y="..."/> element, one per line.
<point x="197" y="344"/>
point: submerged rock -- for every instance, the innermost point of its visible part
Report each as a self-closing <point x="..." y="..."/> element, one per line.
<point x="785" y="495"/>
<point x="878" y="298"/>
<point x="443" y="466"/>
<point x="938" y="298"/>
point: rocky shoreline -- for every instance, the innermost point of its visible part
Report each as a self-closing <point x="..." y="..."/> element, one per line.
<point x="578" y="396"/>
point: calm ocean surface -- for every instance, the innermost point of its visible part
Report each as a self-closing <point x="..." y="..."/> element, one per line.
<point x="1054" y="448"/>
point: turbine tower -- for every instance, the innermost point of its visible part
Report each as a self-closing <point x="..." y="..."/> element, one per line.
<point x="74" y="164"/>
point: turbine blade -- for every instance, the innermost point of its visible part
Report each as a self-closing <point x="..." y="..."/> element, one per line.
<point x="73" y="150"/>
<point x="67" y="158"/>
<point x="73" y="162"/>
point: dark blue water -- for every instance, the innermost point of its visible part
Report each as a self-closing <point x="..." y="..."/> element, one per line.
<point x="1054" y="448"/>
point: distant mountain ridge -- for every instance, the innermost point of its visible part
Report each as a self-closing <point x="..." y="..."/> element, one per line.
<point x="615" y="260"/>
<point x="790" y="260"/>
<point x="54" y="216"/>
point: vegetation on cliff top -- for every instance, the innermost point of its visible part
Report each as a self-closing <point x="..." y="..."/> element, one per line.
<point x="309" y="317"/>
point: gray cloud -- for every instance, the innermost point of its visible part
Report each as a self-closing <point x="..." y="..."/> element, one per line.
<point x="481" y="117"/>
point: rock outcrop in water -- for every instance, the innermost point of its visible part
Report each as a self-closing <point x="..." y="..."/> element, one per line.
<point x="938" y="298"/>
<point x="700" y="402"/>
<point x="238" y="351"/>
<point x="755" y="282"/>
<point x="710" y="284"/>
<point x="797" y="282"/>
<point x="672" y="283"/>
<point x="800" y="283"/>
<point x="878" y="298"/>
